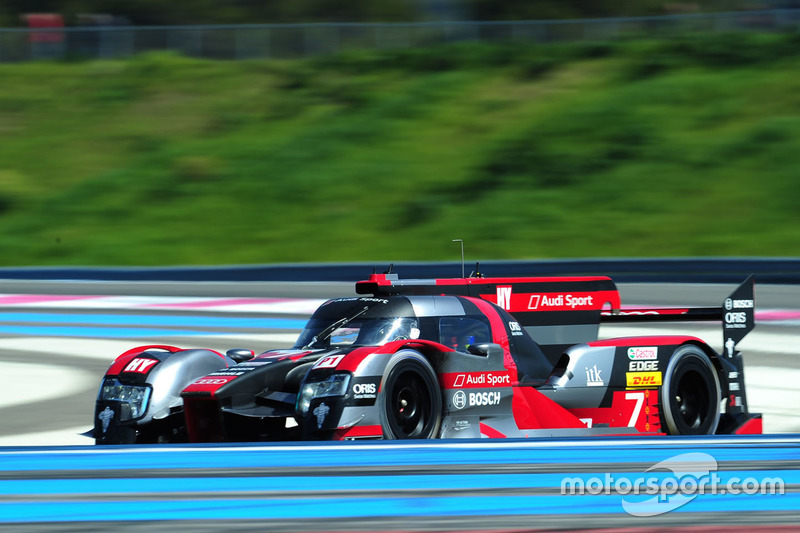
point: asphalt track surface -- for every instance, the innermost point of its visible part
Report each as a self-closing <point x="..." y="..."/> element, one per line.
<point x="52" y="360"/>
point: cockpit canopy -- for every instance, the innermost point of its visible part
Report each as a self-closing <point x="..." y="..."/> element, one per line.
<point x="377" y="321"/>
<point x="359" y="332"/>
<point x="448" y="320"/>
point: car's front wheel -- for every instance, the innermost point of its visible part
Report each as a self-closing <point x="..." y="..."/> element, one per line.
<point x="410" y="401"/>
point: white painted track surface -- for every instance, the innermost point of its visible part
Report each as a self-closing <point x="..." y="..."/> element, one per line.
<point x="49" y="383"/>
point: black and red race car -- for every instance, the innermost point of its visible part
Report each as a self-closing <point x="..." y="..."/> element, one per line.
<point x="448" y="358"/>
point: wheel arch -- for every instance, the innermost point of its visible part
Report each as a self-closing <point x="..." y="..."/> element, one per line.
<point x="410" y="357"/>
<point x="713" y="356"/>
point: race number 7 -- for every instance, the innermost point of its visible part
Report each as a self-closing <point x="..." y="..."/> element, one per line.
<point x="638" y="397"/>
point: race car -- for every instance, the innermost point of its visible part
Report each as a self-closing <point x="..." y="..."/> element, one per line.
<point x="469" y="357"/>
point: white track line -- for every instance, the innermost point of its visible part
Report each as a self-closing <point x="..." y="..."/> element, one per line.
<point x="63" y="437"/>
<point x="25" y="383"/>
<point x="109" y="349"/>
<point x="162" y="303"/>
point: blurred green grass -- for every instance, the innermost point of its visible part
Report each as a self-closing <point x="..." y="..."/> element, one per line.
<point x="636" y="148"/>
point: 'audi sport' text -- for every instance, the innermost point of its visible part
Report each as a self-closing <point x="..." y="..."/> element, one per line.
<point x="476" y="379"/>
<point x="562" y="300"/>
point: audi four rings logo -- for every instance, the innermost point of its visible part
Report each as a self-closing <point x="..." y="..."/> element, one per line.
<point x="211" y="381"/>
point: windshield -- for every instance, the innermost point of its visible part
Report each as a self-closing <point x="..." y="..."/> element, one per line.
<point x="358" y="332"/>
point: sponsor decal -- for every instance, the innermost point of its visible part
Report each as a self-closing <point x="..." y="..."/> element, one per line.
<point x="480" y="379"/>
<point x="736" y="319"/>
<point x="642" y="366"/>
<point x="734" y="386"/>
<point x="377" y="300"/>
<point x="643" y="353"/>
<point x="459" y="399"/>
<point x="321" y="412"/>
<point x="504" y="297"/>
<point x="461" y="425"/>
<point x="483" y="398"/>
<point x="365" y="388"/>
<point x="730" y="346"/>
<point x="140" y="365"/>
<point x="643" y="379"/>
<point x="359" y="299"/>
<point x="365" y="391"/>
<point x="738" y="304"/>
<point x="557" y="302"/>
<point x="515" y="328"/>
<point x="211" y="381"/>
<point x="105" y="417"/>
<point x="593" y="377"/>
<point x="331" y="361"/>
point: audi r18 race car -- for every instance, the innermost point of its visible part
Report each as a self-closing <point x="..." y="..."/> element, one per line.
<point x="468" y="357"/>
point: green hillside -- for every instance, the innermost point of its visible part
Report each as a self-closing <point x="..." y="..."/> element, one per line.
<point x="687" y="147"/>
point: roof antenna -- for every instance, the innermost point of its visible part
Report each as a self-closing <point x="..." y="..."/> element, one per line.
<point x="389" y="270"/>
<point x="462" y="255"/>
<point x="477" y="272"/>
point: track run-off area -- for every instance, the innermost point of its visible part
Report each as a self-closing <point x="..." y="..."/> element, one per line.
<point x="57" y="341"/>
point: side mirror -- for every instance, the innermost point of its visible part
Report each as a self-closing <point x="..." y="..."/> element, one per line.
<point x="486" y="349"/>
<point x="240" y="354"/>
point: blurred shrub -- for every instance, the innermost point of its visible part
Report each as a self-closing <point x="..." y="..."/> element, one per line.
<point x="436" y="58"/>
<point x="347" y="92"/>
<point x="768" y="138"/>
<point x="15" y="189"/>
<point x="196" y="168"/>
<point x="649" y="58"/>
<point x="583" y="142"/>
<point x="140" y="143"/>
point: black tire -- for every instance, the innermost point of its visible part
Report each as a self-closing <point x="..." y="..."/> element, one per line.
<point x="690" y="393"/>
<point x="410" y="401"/>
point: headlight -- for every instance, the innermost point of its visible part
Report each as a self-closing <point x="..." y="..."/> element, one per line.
<point x="136" y="396"/>
<point x="335" y="385"/>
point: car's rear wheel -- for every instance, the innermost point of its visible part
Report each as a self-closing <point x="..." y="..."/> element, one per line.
<point x="690" y="394"/>
<point x="410" y="401"/>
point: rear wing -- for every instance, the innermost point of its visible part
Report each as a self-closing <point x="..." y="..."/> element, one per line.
<point x="737" y="314"/>
<point x="532" y="300"/>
